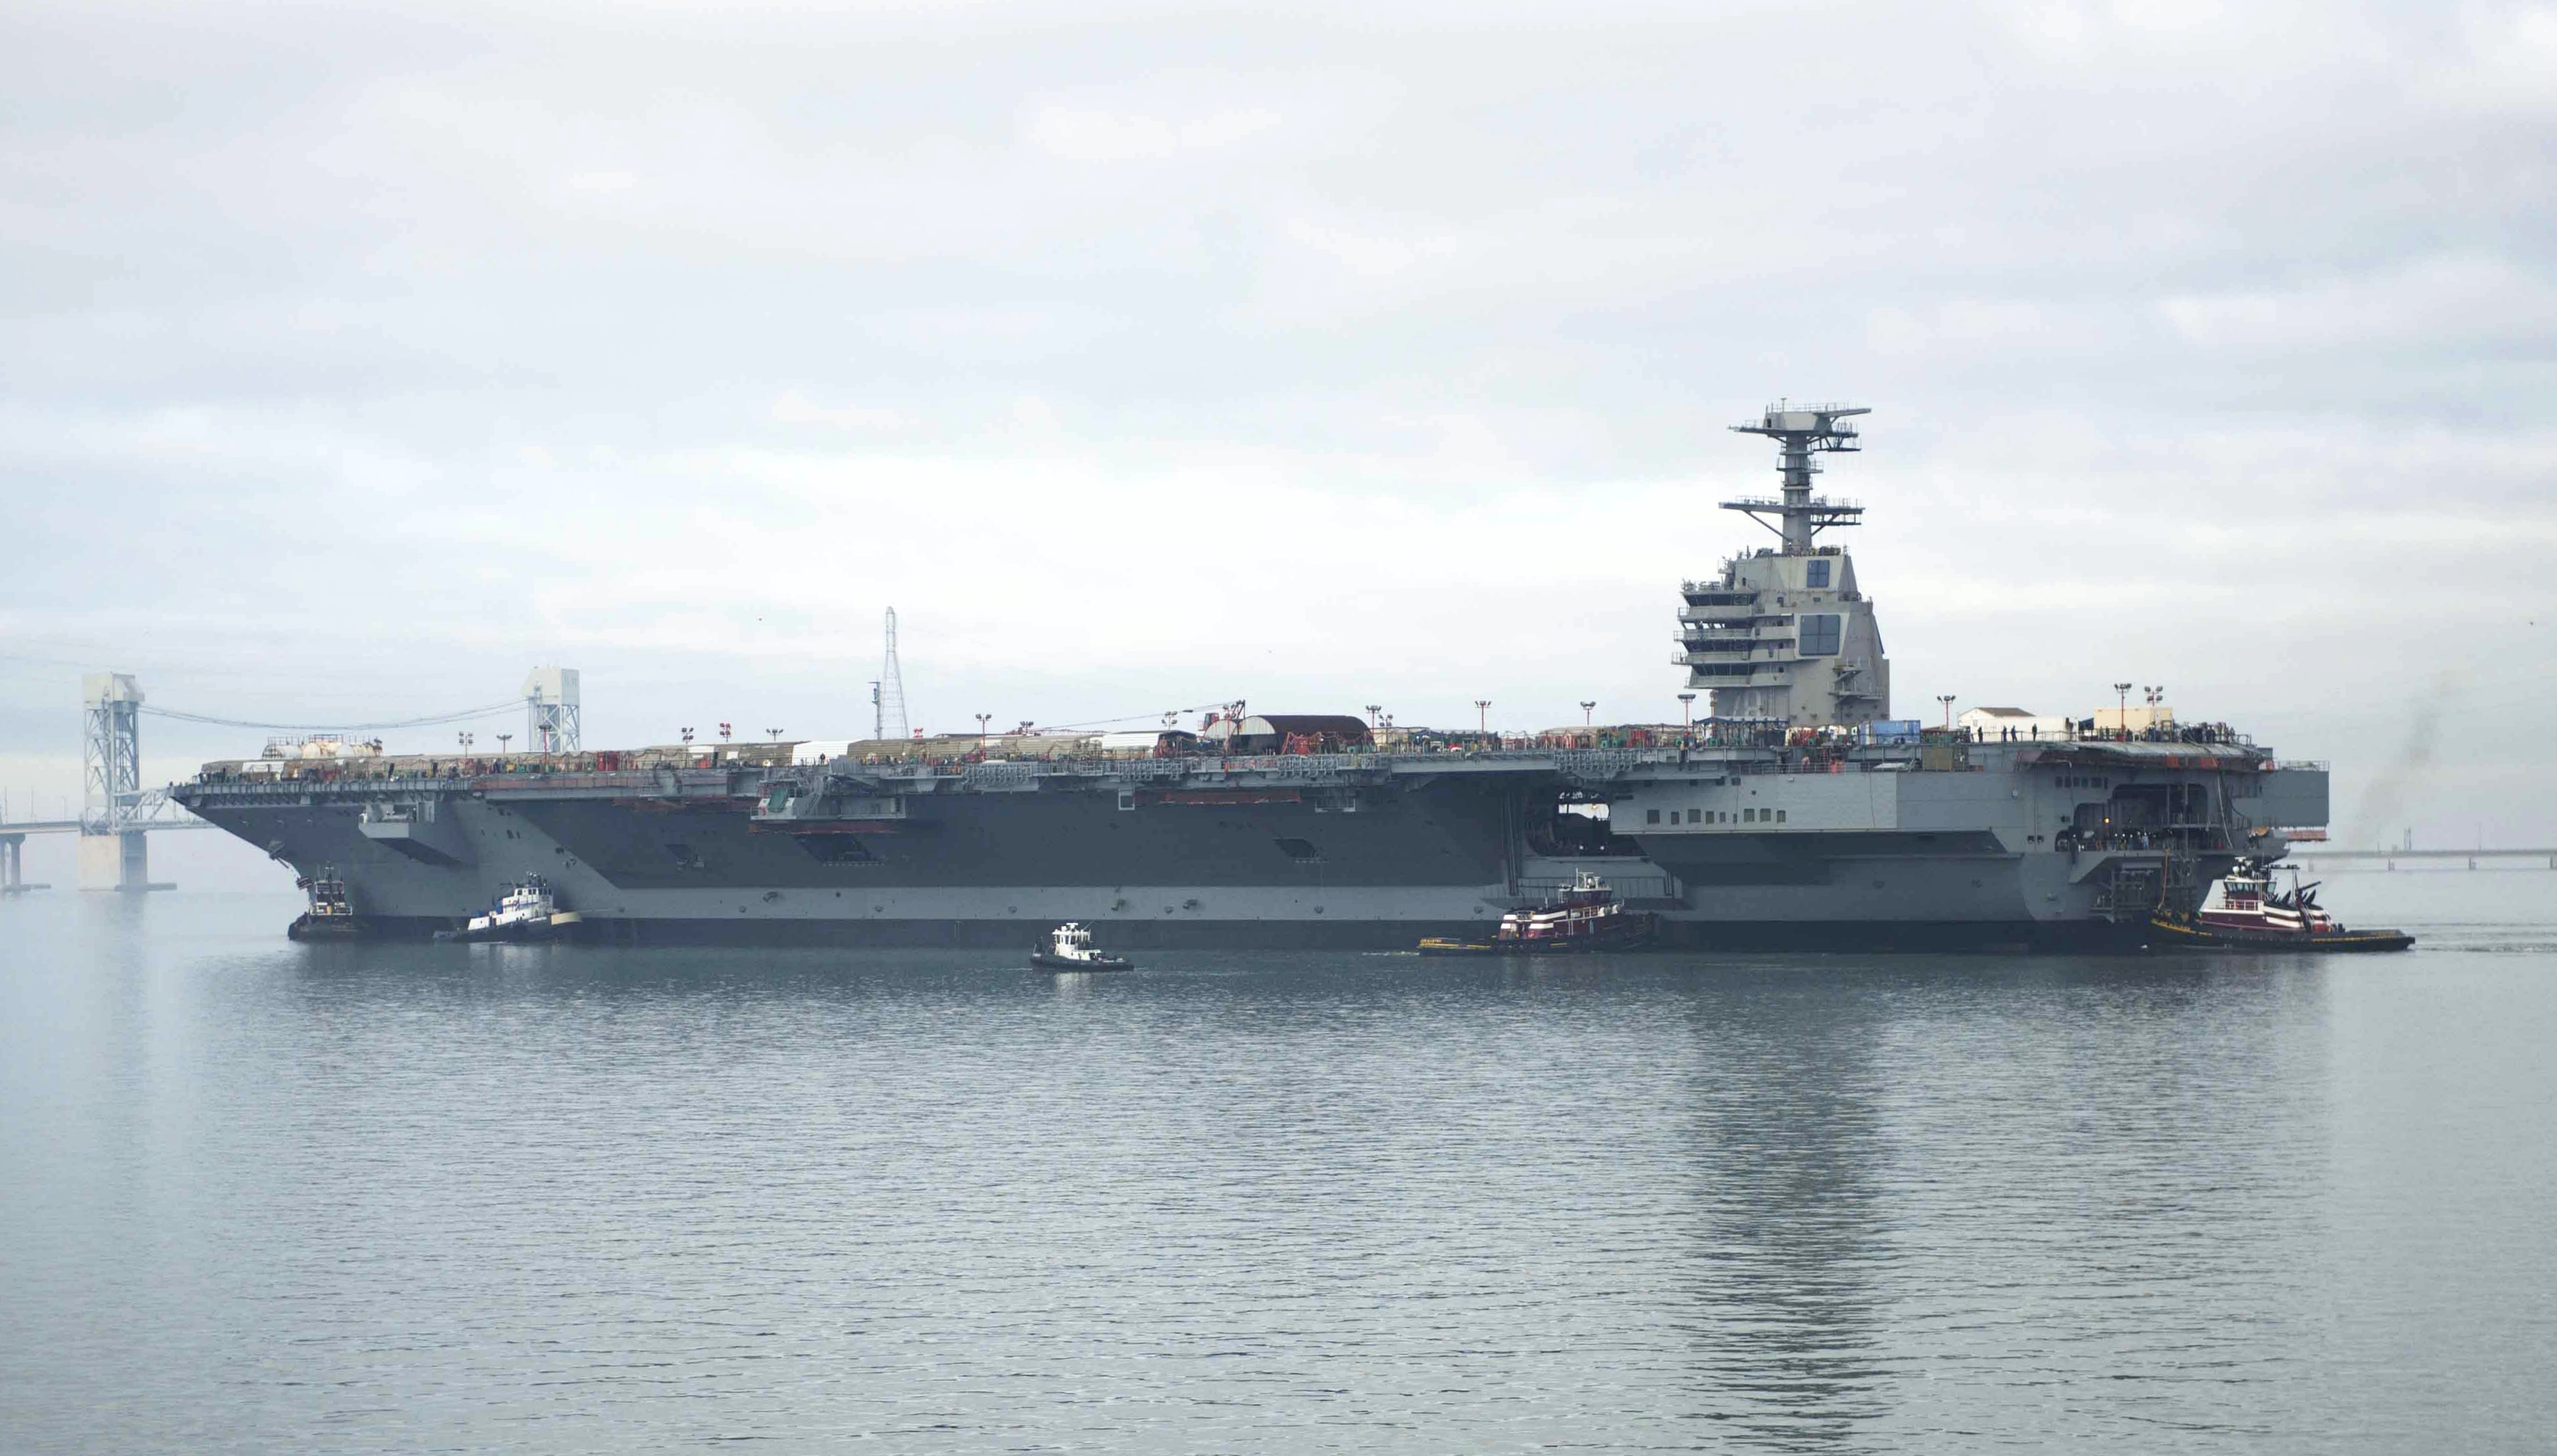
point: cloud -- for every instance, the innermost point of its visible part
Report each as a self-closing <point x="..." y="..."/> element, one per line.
<point x="1100" y="136"/>
<point x="795" y="408"/>
<point x="2471" y="301"/>
<point x="2010" y="324"/>
<point x="1035" y="415"/>
<point x="2506" y="61"/>
<point x="1369" y="254"/>
<point x="2166" y="15"/>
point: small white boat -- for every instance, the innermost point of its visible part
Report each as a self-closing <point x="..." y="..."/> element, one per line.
<point x="1069" y="948"/>
<point x="526" y="911"/>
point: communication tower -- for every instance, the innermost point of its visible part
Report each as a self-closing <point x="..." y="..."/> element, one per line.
<point x="889" y="692"/>
<point x="551" y="713"/>
<point x="1803" y="431"/>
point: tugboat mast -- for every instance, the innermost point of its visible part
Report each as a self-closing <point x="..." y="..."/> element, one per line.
<point x="1803" y="431"/>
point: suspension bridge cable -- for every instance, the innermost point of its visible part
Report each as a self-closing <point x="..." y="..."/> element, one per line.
<point x="509" y="705"/>
<point x="515" y="705"/>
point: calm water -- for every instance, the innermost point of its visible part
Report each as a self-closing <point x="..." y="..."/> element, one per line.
<point x="562" y="1199"/>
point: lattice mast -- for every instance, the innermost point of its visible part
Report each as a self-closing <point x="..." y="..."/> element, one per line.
<point x="890" y="689"/>
<point x="553" y="719"/>
<point x="1803" y="431"/>
<point x="110" y="751"/>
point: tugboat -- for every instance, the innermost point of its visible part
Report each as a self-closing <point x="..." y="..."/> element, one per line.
<point x="526" y="911"/>
<point x="2245" y="911"/>
<point x="1585" y="916"/>
<point x="331" y="915"/>
<point x="1069" y="948"/>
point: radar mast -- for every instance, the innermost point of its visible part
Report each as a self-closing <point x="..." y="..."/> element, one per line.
<point x="1803" y="431"/>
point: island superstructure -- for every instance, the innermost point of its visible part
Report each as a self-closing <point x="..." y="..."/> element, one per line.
<point x="1797" y="812"/>
<point x="1783" y="636"/>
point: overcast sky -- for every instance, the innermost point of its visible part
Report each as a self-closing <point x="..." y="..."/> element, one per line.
<point x="1148" y="355"/>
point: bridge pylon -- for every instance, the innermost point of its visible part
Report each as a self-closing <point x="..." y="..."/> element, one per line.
<point x="13" y="869"/>
<point x="114" y="853"/>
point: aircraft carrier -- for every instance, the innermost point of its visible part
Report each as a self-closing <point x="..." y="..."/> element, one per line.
<point x="1798" y="811"/>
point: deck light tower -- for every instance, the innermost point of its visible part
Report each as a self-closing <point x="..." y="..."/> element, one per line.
<point x="2123" y="696"/>
<point x="1483" y="714"/>
<point x="1588" y="708"/>
<point x="1948" y="699"/>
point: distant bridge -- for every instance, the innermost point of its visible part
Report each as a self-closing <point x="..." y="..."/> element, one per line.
<point x="2480" y="859"/>
<point x="13" y="844"/>
<point x="117" y="812"/>
<point x="150" y="809"/>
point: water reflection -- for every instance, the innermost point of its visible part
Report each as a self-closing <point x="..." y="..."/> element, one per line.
<point x="1927" y="1177"/>
<point x="1787" y="1157"/>
<point x="597" y="1198"/>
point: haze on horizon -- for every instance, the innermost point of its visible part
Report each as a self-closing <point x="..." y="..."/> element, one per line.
<point x="361" y="357"/>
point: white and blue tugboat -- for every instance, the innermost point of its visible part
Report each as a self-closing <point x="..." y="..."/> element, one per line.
<point x="526" y="911"/>
<point x="1069" y="948"/>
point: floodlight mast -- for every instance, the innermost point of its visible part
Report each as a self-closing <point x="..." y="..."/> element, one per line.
<point x="1803" y="431"/>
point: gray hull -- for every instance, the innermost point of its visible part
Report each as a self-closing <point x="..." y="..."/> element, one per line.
<point x="2023" y="848"/>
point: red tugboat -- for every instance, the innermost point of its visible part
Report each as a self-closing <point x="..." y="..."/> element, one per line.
<point x="2245" y="911"/>
<point x="1585" y="916"/>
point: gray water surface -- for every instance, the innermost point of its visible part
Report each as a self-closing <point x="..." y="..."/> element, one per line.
<point x="570" y="1199"/>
